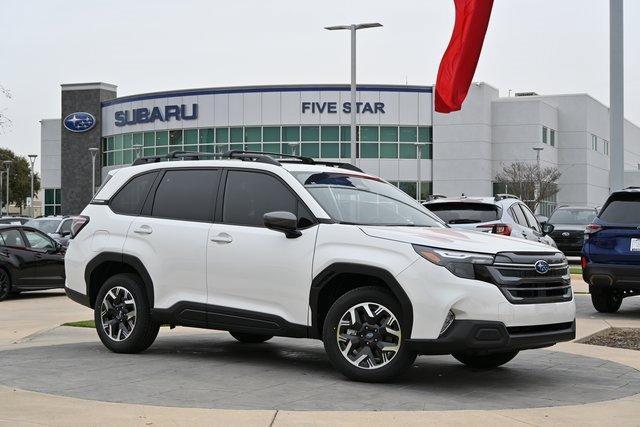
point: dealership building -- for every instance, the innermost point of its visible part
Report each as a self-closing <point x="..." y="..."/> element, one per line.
<point x="399" y="137"/>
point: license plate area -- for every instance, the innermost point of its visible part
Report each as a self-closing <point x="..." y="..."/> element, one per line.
<point x="635" y="245"/>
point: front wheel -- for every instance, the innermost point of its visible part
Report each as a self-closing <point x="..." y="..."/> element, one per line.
<point x="5" y="285"/>
<point x="122" y="315"/>
<point x="362" y="336"/>
<point x="486" y="361"/>
<point x="606" y="301"/>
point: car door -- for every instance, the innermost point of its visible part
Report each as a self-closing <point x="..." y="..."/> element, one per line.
<point x="535" y="231"/>
<point x="253" y="271"/>
<point x="49" y="258"/>
<point x="170" y="237"/>
<point x="23" y="261"/>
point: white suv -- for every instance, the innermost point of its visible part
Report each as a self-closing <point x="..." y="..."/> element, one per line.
<point x="260" y="248"/>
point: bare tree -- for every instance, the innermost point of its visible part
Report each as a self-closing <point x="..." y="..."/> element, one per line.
<point x="521" y="179"/>
<point x="5" y="121"/>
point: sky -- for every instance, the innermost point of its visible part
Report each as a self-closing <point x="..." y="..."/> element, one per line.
<point x="545" y="46"/>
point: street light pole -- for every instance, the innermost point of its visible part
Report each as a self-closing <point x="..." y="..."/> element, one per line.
<point x="352" y="29"/>
<point x="1" y="190"/>
<point x="94" y="152"/>
<point x="7" y="165"/>
<point x="537" y="187"/>
<point x="32" y="159"/>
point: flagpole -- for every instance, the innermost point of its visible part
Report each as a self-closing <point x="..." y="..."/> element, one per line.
<point x="616" y="95"/>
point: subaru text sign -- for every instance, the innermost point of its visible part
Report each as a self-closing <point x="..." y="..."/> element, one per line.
<point x="332" y="107"/>
<point x="146" y="115"/>
<point x="79" y="122"/>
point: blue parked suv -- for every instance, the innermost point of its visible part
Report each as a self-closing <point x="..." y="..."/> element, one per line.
<point x="611" y="251"/>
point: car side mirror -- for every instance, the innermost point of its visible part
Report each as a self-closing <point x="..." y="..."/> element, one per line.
<point x="547" y="228"/>
<point x="282" y="221"/>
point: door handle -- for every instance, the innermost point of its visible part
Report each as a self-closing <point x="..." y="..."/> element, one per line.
<point x="144" y="229"/>
<point x="222" y="238"/>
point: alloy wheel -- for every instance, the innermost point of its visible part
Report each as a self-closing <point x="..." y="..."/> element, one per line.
<point x="369" y="335"/>
<point x="118" y="313"/>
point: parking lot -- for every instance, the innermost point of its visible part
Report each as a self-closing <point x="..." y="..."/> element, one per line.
<point x="206" y="375"/>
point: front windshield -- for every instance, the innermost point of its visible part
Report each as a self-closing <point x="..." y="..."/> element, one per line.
<point x="361" y="200"/>
<point x="46" y="225"/>
<point x="573" y="216"/>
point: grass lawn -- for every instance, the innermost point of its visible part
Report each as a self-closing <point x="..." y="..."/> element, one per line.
<point x="575" y="269"/>
<point x="81" y="324"/>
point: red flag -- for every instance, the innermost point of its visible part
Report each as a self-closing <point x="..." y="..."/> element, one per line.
<point x="461" y="57"/>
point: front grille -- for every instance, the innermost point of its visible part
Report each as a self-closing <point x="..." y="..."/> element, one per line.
<point x="516" y="277"/>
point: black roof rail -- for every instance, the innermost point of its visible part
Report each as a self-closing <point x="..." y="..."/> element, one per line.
<point x="254" y="156"/>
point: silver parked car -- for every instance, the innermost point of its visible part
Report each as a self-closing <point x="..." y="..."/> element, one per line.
<point x="57" y="227"/>
<point x="503" y="214"/>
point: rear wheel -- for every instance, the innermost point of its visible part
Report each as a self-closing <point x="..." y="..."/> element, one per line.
<point x="363" y="338"/>
<point x="250" y="338"/>
<point x="5" y="285"/>
<point x="606" y="301"/>
<point x="122" y="315"/>
<point x="486" y="361"/>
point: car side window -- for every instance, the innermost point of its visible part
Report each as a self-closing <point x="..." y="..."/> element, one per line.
<point x="12" y="238"/>
<point x="66" y="226"/>
<point x="531" y="219"/>
<point x="187" y="194"/>
<point x="249" y="195"/>
<point x="129" y="200"/>
<point x="38" y="240"/>
<point x="517" y="215"/>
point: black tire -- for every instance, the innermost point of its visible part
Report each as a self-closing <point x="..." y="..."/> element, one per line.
<point x="486" y="361"/>
<point x="5" y="285"/>
<point x="250" y="338"/>
<point x="388" y="370"/>
<point x="144" y="330"/>
<point x="606" y="301"/>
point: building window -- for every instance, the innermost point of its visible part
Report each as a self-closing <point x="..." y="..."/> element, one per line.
<point x="330" y="142"/>
<point x="544" y="134"/>
<point x="605" y="145"/>
<point x="52" y="201"/>
<point x="411" y="188"/>
<point x="594" y="142"/>
<point x="552" y="137"/>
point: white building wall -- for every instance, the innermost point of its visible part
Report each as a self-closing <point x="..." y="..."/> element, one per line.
<point x="462" y="147"/>
<point x="50" y="153"/>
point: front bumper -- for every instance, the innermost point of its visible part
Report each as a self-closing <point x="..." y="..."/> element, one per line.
<point x="484" y="337"/>
<point x="612" y="276"/>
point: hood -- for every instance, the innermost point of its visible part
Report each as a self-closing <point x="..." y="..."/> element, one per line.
<point x="456" y="239"/>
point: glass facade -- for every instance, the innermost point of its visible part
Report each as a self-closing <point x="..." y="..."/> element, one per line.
<point x="52" y="201"/>
<point x="329" y="142"/>
<point x="411" y="188"/>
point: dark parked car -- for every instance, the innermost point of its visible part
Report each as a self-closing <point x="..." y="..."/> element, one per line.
<point x="30" y="260"/>
<point x="569" y="224"/>
<point x="611" y="252"/>
<point x="57" y="227"/>
<point x="19" y="220"/>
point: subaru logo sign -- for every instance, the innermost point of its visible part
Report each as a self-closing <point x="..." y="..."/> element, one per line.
<point x="79" y="122"/>
<point x="541" y="266"/>
<point x="566" y="234"/>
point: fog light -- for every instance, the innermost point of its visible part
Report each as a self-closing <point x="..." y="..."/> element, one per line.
<point x="447" y="322"/>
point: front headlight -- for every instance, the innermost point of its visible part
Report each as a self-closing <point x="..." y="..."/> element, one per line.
<point x="459" y="263"/>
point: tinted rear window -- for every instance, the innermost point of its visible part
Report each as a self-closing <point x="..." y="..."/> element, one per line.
<point x="573" y="216"/>
<point x="465" y="213"/>
<point x="187" y="195"/>
<point x="624" y="209"/>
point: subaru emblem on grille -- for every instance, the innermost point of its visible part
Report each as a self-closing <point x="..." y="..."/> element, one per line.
<point x="565" y="234"/>
<point x="541" y="266"/>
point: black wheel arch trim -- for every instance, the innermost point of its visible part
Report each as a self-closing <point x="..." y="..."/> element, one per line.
<point x="333" y="270"/>
<point x="124" y="259"/>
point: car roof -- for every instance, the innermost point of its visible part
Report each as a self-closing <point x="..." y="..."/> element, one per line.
<point x="627" y="190"/>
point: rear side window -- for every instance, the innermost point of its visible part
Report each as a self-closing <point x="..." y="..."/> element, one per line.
<point x="12" y="238"/>
<point x="249" y="195"/>
<point x="518" y="215"/>
<point x="624" y="209"/>
<point x="531" y="219"/>
<point x="187" y="194"/>
<point x="465" y="212"/>
<point x="66" y="226"/>
<point x="129" y="200"/>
